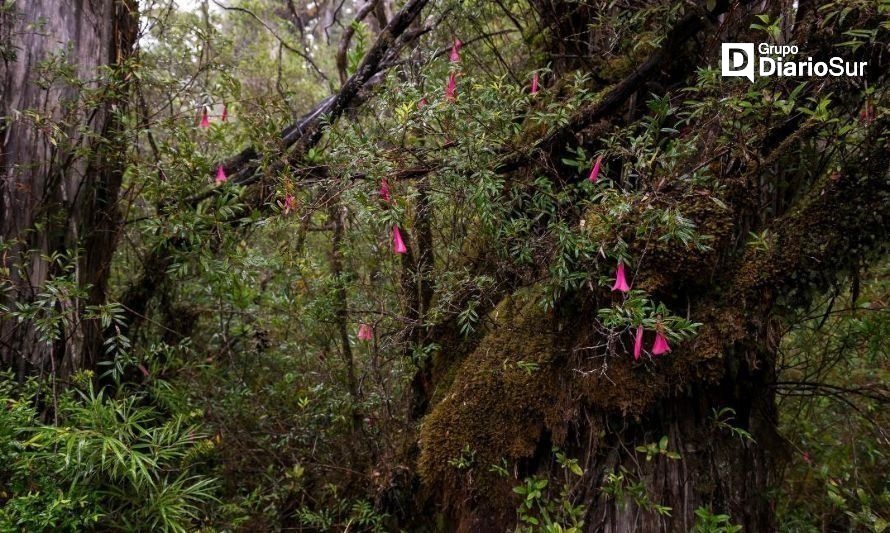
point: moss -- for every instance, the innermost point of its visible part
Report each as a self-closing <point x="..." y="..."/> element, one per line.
<point x="670" y="266"/>
<point x="503" y="397"/>
<point x="524" y="385"/>
<point x="444" y="376"/>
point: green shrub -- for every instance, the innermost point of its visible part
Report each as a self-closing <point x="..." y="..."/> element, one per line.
<point x="105" y="463"/>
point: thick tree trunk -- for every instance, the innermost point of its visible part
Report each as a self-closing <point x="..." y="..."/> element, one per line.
<point x="61" y="169"/>
<point x="724" y="429"/>
<point x="602" y="417"/>
<point x="718" y="470"/>
<point x="538" y="380"/>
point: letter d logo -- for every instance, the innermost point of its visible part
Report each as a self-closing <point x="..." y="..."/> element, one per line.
<point x="738" y="60"/>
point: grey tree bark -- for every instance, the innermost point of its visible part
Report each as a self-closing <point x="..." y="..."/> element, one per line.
<point x="62" y="93"/>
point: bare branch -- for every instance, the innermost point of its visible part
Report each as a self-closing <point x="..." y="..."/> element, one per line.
<point x="280" y="40"/>
<point x="347" y="38"/>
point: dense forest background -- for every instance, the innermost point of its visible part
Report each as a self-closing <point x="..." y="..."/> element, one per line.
<point x="441" y="265"/>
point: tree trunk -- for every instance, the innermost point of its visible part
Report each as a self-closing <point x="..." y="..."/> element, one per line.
<point x="718" y="470"/>
<point x="62" y="166"/>
<point x="539" y="380"/>
<point x="496" y="408"/>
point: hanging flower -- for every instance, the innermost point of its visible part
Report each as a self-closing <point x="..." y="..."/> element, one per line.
<point x="660" y="346"/>
<point x="535" y="83"/>
<point x="384" y="191"/>
<point x="455" y="51"/>
<point x="221" y="175"/>
<point x="289" y="204"/>
<point x="205" y="119"/>
<point x="398" y="245"/>
<point x="620" y="279"/>
<point x="638" y="343"/>
<point x="451" y="88"/>
<point x="595" y="171"/>
<point x="365" y="332"/>
<point x="422" y="103"/>
<point x="225" y="115"/>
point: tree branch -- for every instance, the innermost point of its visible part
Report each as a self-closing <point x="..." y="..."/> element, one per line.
<point x="299" y="138"/>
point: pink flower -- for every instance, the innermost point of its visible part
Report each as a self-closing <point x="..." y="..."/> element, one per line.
<point x="638" y="343"/>
<point x="384" y="191"/>
<point x="595" y="171"/>
<point x="225" y="115"/>
<point x="398" y="245"/>
<point x="806" y="458"/>
<point x="205" y="120"/>
<point x="289" y="204"/>
<point x="144" y="370"/>
<point x="221" y="175"/>
<point x="620" y="280"/>
<point x="451" y="88"/>
<point x="422" y="103"/>
<point x="365" y="332"/>
<point x="535" y="83"/>
<point x="455" y="51"/>
<point x="660" y="346"/>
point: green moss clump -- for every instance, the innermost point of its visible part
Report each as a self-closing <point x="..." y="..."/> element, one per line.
<point x="522" y="389"/>
<point x="504" y="396"/>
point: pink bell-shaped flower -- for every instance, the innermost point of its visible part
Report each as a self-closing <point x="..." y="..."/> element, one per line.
<point x="365" y="332"/>
<point x="535" y="83"/>
<point x="451" y="88"/>
<point x="455" y="51"/>
<point x="638" y="343"/>
<point x="221" y="175"/>
<point x="289" y="204"/>
<point x="398" y="244"/>
<point x="384" y="191"/>
<point x="620" y="279"/>
<point x="422" y="103"/>
<point x="205" y="119"/>
<point x="595" y="171"/>
<point x="660" y="346"/>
